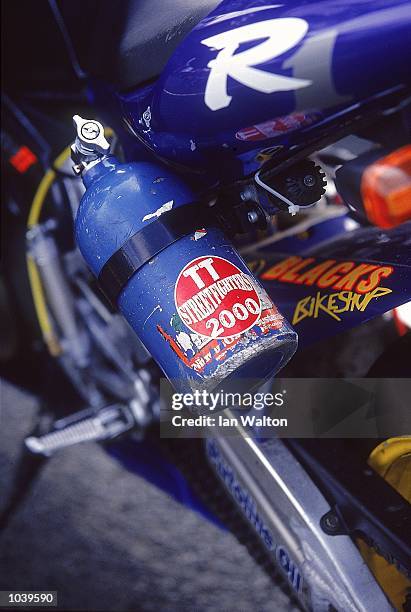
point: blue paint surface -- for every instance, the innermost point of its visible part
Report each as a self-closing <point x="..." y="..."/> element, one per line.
<point x="354" y="54"/>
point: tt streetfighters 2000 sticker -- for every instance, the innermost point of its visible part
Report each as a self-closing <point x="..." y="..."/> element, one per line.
<point x="214" y="298"/>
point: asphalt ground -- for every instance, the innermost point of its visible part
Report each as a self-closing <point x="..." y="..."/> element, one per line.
<point x="107" y="540"/>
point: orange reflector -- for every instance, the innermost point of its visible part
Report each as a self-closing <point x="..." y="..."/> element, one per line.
<point x="386" y="189"/>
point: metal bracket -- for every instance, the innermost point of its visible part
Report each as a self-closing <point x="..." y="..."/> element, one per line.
<point x="148" y="242"/>
<point x="292" y="208"/>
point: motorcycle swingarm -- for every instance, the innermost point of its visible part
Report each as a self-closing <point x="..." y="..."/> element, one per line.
<point x="364" y="504"/>
<point x="285" y="507"/>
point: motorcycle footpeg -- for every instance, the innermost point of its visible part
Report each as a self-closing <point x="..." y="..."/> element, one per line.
<point x="86" y="426"/>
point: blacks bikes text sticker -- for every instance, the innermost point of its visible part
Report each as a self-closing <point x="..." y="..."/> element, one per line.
<point x="214" y="298"/>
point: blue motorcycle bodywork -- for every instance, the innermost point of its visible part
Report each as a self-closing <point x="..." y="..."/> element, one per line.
<point x="324" y="287"/>
<point x="205" y="119"/>
<point x="225" y="126"/>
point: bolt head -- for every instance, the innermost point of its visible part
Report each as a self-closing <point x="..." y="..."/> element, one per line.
<point x="252" y="216"/>
<point x="309" y="180"/>
<point x="331" y="523"/>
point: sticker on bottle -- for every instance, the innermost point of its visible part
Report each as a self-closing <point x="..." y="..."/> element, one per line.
<point x="214" y="298"/>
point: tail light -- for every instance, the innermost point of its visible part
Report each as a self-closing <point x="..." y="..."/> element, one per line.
<point x="386" y="189"/>
<point x="377" y="185"/>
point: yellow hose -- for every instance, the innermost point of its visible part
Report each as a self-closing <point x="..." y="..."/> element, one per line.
<point x="46" y="327"/>
<point x="43" y="188"/>
<point x="37" y="291"/>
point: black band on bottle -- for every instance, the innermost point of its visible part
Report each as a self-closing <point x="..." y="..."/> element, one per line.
<point x="148" y="242"/>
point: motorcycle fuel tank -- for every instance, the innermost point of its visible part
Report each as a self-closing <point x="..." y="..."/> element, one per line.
<point x="254" y="79"/>
<point x="195" y="305"/>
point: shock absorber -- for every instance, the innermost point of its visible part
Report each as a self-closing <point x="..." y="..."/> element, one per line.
<point x="163" y="260"/>
<point x="44" y="251"/>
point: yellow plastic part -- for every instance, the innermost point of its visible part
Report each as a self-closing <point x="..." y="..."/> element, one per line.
<point x="392" y="460"/>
